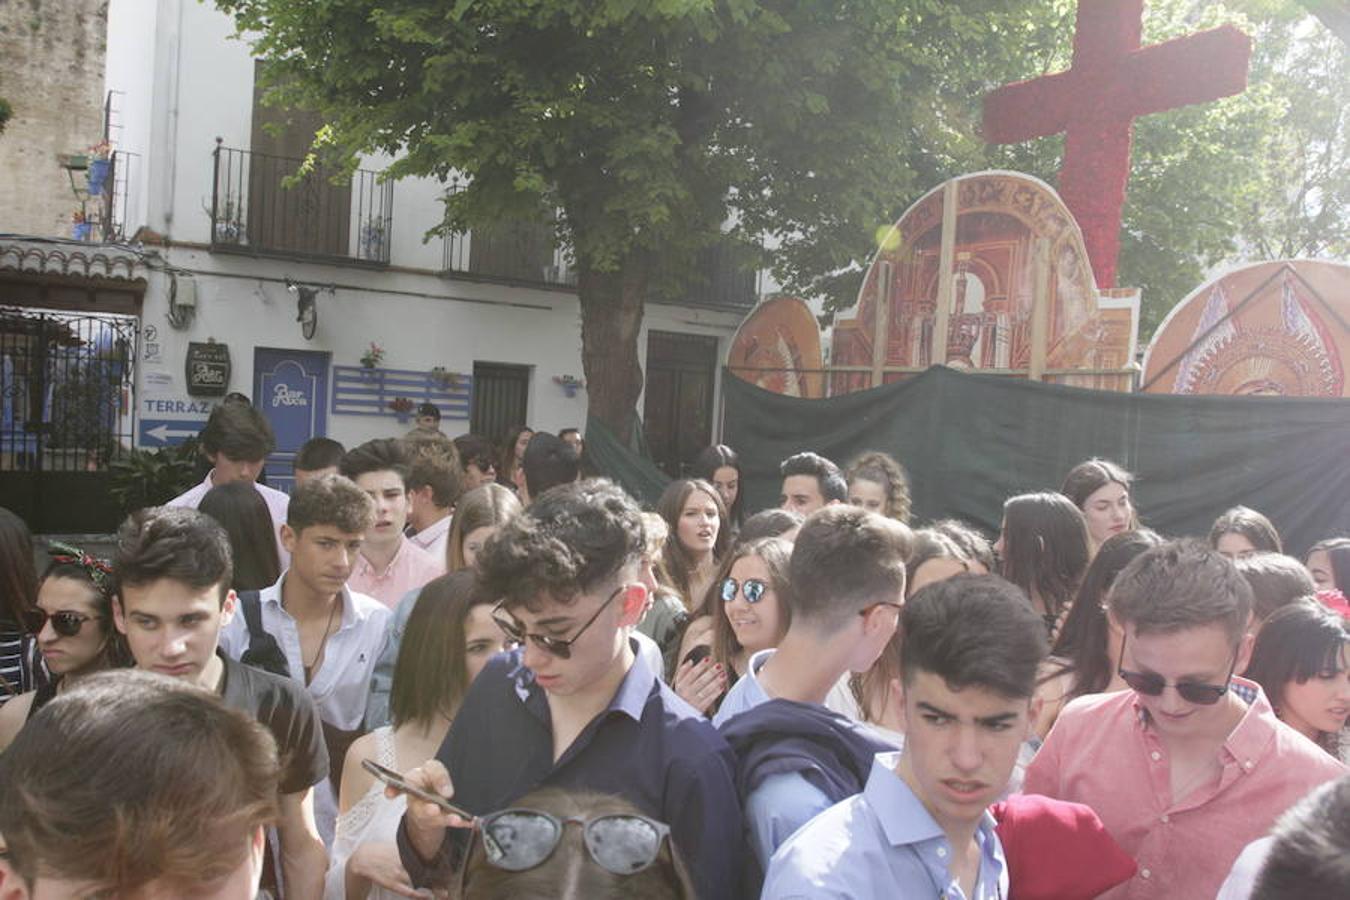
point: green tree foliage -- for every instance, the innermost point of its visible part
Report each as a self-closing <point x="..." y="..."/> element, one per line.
<point x="649" y="125"/>
<point x="653" y="126"/>
<point x="1261" y="175"/>
<point x="6" y="111"/>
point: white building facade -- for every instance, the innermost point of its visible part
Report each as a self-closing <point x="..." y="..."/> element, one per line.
<point x="222" y="238"/>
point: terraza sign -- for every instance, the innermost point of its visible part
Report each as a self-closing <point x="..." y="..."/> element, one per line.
<point x="208" y="369"/>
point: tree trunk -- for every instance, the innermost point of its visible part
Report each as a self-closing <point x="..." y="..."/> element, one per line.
<point x="611" y="319"/>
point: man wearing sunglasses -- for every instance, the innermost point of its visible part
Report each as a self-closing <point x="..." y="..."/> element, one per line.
<point x="1190" y="764"/>
<point x="573" y="707"/>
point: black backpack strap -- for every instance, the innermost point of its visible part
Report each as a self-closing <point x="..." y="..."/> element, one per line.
<point x="251" y="603"/>
<point x="263" y="651"/>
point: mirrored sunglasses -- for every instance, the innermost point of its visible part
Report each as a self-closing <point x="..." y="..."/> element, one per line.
<point x="752" y="589"/>
<point x="520" y="839"/>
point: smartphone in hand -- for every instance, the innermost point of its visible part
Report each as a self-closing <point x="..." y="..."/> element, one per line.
<point x="400" y="784"/>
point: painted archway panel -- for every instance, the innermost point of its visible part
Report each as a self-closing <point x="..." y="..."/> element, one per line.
<point x="778" y="348"/>
<point x="1277" y="328"/>
<point x="1003" y="219"/>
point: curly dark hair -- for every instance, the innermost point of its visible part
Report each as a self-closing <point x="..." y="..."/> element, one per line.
<point x="571" y="540"/>
<point x="885" y="470"/>
<point x="330" y="500"/>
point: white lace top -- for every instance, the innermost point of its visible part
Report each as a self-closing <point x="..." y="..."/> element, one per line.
<point x="372" y="819"/>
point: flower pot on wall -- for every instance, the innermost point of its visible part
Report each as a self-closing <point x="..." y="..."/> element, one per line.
<point x="98" y="175"/>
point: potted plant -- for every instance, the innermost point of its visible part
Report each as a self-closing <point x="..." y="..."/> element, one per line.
<point x="99" y="163"/>
<point x="570" y="384"/>
<point x="150" y="477"/>
<point x="373" y="356"/>
<point x="402" y="407"/>
<point x="80" y="227"/>
<point x="373" y="239"/>
<point x="441" y="378"/>
<point x="229" y="225"/>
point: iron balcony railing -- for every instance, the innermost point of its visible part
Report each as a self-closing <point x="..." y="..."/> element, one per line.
<point x="511" y="253"/>
<point x="117" y="196"/>
<point x="527" y="253"/>
<point x="259" y="205"/>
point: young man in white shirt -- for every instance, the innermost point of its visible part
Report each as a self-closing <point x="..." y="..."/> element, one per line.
<point x="236" y="440"/>
<point x="434" y="480"/>
<point x="328" y="635"/>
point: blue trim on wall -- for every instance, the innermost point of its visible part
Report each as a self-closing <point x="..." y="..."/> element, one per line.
<point x="358" y="391"/>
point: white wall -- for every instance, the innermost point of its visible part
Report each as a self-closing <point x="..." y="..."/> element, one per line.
<point x="454" y="325"/>
<point x="130" y="71"/>
<point x="187" y="82"/>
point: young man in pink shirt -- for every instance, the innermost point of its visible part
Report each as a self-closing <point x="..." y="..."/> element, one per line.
<point x="1190" y="764"/>
<point x="389" y="564"/>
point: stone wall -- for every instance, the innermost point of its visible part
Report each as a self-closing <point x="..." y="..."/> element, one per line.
<point x="51" y="72"/>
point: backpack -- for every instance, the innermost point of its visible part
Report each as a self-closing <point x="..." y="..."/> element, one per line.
<point x="263" y="650"/>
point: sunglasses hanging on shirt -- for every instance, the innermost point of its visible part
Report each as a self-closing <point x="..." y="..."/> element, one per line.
<point x="521" y="839"/>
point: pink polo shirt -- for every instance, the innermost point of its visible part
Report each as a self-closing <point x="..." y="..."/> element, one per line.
<point x="410" y="568"/>
<point x="1103" y="753"/>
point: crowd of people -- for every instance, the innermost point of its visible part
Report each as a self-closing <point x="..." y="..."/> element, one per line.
<point x="414" y="673"/>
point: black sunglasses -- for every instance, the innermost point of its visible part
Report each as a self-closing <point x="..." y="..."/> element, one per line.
<point x="752" y="589"/>
<point x="64" y="622"/>
<point x="556" y="646"/>
<point x="521" y="839"/>
<point x="1151" y="684"/>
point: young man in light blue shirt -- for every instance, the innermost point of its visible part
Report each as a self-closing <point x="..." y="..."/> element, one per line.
<point x="921" y="827"/>
<point x="846" y="585"/>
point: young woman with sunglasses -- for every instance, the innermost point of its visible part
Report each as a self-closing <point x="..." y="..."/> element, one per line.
<point x="448" y="640"/>
<point x="754" y="614"/>
<point x="20" y="670"/>
<point x="76" y="635"/>
<point x="572" y="845"/>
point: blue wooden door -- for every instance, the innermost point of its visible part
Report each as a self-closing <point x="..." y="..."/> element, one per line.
<point x="290" y="388"/>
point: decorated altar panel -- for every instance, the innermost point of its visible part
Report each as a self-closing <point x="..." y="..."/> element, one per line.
<point x="1276" y="328"/>
<point x="1013" y="241"/>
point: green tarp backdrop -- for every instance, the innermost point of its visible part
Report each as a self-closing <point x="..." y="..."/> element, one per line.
<point x="971" y="441"/>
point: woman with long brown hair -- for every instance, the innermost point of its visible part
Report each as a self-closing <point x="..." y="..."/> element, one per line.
<point x="449" y="638"/>
<point x="1043" y="549"/>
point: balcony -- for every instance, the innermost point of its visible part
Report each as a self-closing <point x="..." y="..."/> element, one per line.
<point x="259" y="206"/>
<point x="525" y="253"/>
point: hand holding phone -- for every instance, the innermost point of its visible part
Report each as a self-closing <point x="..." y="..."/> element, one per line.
<point x="401" y="784"/>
